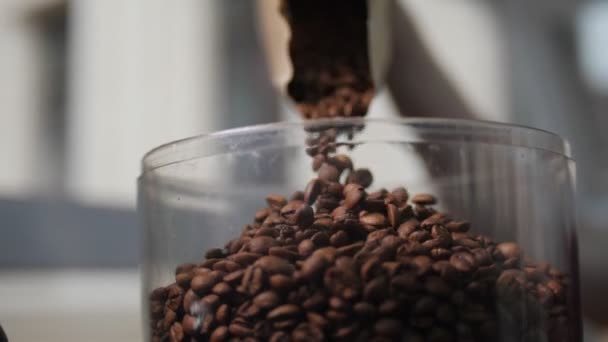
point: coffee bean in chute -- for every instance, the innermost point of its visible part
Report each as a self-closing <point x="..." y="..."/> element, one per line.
<point x="370" y="268"/>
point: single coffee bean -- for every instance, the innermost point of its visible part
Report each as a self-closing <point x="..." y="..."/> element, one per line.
<point x="389" y="307"/>
<point x="422" y="264"/>
<point x="458" y="226"/>
<point x="317" y="161"/>
<point x="283" y="253"/>
<point x="362" y="177"/>
<point x="189" y="298"/>
<point x="239" y="329"/>
<point x="371" y="268"/>
<point x="388" y="327"/>
<point x="305" y="332"/>
<point x="220" y="334"/>
<point x="190" y="324"/>
<point x="440" y="253"/>
<point x="509" y="250"/>
<point x="407" y="228"/>
<point x="222" y="315"/>
<point x="354" y="195"/>
<point x="425" y="305"/>
<point x="297" y="196"/>
<point x="393" y="215"/>
<point x="424" y="199"/>
<point x="511" y="284"/>
<point x="280" y="336"/>
<point x="202" y="284"/>
<point x="253" y="280"/>
<point x="445" y="270"/>
<point x="314" y="266"/>
<point x="210" y="302"/>
<point x="226" y="266"/>
<point x="374" y="219"/>
<point x="375" y="290"/>
<point x="399" y="196"/>
<point x="214" y="253"/>
<point x="177" y="332"/>
<point x="267" y="300"/>
<point x="463" y="262"/>
<point x="276" y="201"/>
<point x="339" y="239"/>
<point x="482" y="257"/>
<point x="433" y="220"/>
<point x="284" y="312"/>
<point x="312" y="191"/>
<point x="341" y="161"/>
<point x="328" y="173"/>
<point x="349" y="250"/>
<point x="298" y="213"/>
<point x="273" y="265"/>
<point x="247" y="258"/>
<point x="222" y="289"/>
<point x="184" y="268"/>
<point x="281" y="282"/>
<point x="406" y="282"/>
<point x="320" y="239"/>
<point x="235" y="277"/>
<point x="315" y="302"/>
<point x="305" y="248"/>
<point x="437" y="286"/>
<point x="336" y="316"/>
<point x="261" y="244"/>
<point x="419" y="236"/>
<point x="169" y="319"/>
<point x="183" y="279"/>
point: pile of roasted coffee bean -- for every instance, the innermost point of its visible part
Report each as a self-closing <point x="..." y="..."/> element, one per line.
<point x="338" y="263"/>
<point x="329" y="53"/>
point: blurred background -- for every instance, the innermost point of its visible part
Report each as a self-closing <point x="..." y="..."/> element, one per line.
<point x="88" y="86"/>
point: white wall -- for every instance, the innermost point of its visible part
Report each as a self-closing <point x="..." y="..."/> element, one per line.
<point x="143" y="73"/>
<point x="20" y="75"/>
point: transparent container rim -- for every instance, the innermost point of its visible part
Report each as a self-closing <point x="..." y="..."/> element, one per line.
<point x="557" y="145"/>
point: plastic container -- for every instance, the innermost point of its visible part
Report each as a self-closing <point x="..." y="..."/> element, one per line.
<point x="512" y="183"/>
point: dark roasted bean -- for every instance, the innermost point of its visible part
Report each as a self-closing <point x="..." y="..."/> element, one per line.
<point x="437" y="286"/>
<point x="245" y="258"/>
<point x="267" y="300"/>
<point x="393" y="214"/>
<point x="388" y="327"/>
<point x="276" y="201"/>
<point x="284" y="312"/>
<point x="458" y="226"/>
<point x="281" y="282"/>
<point x="374" y="219"/>
<point x="463" y="262"/>
<point x="424" y="199"/>
<point x="220" y="334"/>
<point x="353" y="195"/>
<point x="399" y="196"/>
<point x="176" y="332"/>
<point x="273" y="265"/>
<point x="202" y="284"/>
<point x="328" y="173"/>
<point x="312" y="191"/>
<point x="283" y="253"/>
<point x="362" y="177"/>
<point x="339" y="239"/>
<point x="509" y="250"/>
